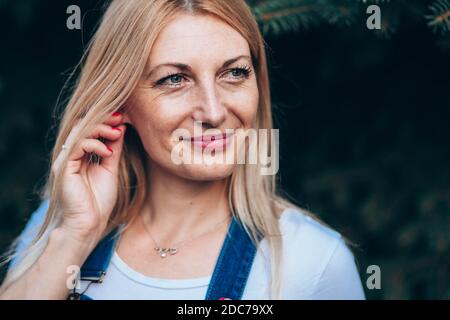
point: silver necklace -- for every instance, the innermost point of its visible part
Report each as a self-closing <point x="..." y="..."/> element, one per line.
<point x="165" y="251"/>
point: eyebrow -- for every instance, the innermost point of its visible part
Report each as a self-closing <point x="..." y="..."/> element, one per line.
<point x="186" y="67"/>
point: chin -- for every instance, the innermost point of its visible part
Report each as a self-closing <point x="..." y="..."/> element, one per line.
<point x="203" y="172"/>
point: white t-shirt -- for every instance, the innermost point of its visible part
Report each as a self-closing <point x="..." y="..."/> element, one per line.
<point x="317" y="265"/>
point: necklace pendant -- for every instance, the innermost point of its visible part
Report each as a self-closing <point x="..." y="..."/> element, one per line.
<point x="164" y="251"/>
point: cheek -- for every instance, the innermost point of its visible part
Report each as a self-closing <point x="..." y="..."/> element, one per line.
<point x="244" y="105"/>
<point x="155" y="119"/>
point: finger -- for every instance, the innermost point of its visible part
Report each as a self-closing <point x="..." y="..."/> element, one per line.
<point x="89" y="146"/>
<point x="86" y="146"/>
<point x="72" y="134"/>
<point x="112" y="163"/>
<point x="115" y="119"/>
<point x="106" y="131"/>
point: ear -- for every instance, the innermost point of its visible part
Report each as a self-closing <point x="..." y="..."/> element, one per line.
<point x="126" y="118"/>
<point x="125" y="112"/>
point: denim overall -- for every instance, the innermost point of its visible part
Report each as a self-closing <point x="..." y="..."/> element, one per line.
<point x="228" y="279"/>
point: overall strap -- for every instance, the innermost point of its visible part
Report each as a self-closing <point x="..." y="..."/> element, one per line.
<point x="227" y="281"/>
<point x="94" y="268"/>
<point x="233" y="266"/>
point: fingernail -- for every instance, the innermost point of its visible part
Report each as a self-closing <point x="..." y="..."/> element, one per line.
<point x="109" y="148"/>
<point x="117" y="113"/>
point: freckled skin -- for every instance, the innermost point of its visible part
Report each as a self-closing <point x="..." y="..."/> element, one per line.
<point x="207" y="92"/>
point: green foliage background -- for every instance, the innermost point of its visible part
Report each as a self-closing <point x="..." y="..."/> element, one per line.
<point x="363" y="117"/>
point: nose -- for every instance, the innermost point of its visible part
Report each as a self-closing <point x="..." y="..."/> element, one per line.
<point x="210" y="109"/>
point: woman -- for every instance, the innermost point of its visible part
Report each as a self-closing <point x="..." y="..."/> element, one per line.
<point x="154" y="228"/>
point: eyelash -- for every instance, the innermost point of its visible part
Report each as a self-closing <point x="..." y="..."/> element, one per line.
<point x="245" y="69"/>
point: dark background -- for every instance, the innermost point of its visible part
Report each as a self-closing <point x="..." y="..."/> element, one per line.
<point x="364" y="128"/>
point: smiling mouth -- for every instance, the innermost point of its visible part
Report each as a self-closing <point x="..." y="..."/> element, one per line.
<point x="214" y="141"/>
<point x="211" y="137"/>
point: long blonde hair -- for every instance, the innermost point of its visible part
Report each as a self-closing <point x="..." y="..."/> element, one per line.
<point x="111" y="68"/>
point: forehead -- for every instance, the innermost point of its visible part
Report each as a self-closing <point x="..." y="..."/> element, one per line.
<point x="188" y="38"/>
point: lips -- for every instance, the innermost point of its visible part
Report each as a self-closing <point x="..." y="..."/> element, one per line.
<point x="216" y="142"/>
<point x="210" y="138"/>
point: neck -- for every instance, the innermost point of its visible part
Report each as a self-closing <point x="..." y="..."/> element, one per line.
<point x="177" y="208"/>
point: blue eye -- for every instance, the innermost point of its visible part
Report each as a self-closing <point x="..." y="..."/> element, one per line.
<point x="174" y="80"/>
<point x="237" y="72"/>
<point x="240" y="72"/>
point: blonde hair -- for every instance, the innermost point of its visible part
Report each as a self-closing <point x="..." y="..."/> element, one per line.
<point x="113" y="64"/>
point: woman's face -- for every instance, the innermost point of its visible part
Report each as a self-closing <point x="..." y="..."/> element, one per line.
<point x="199" y="76"/>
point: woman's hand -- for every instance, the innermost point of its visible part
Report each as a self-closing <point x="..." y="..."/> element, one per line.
<point x="82" y="225"/>
<point x="81" y="219"/>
